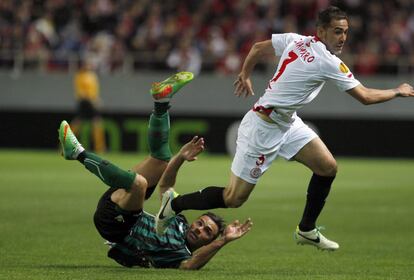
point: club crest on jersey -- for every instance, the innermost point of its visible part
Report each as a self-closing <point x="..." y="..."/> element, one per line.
<point x="256" y="172"/>
<point x="343" y="68"/>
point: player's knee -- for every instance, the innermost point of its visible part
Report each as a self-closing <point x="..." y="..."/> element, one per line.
<point x="140" y="184"/>
<point x="330" y="168"/>
<point x="234" y="201"/>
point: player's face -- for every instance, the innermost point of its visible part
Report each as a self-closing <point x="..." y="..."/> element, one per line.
<point x="202" y="231"/>
<point x="334" y="36"/>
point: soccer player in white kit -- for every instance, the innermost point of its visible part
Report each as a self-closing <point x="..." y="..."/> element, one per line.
<point x="272" y="128"/>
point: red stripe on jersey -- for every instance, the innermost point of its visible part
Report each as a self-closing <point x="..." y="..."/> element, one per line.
<point x="262" y="110"/>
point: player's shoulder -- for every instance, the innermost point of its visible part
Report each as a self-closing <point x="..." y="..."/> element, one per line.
<point x="327" y="59"/>
<point x="310" y="44"/>
<point x="287" y="37"/>
<point x="321" y="49"/>
<point x="334" y="65"/>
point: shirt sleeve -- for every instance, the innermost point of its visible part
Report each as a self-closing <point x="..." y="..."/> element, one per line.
<point x="337" y="72"/>
<point x="280" y="41"/>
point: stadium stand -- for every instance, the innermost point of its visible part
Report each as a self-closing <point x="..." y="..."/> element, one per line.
<point x="216" y="34"/>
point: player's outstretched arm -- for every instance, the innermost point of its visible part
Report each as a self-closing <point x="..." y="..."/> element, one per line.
<point x="203" y="255"/>
<point x="243" y="85"/>
<point x="369" y="96"/>
<point x="188" y="152"/>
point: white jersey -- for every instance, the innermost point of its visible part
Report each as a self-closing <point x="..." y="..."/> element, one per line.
<point x="305" y="65"/>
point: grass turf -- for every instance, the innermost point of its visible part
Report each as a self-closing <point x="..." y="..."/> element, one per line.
<point x="47" y="203"/>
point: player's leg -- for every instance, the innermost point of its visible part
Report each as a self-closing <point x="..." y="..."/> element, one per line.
<point x="304" y="146"/>
<point x="171" y="204"/>
<point x="158" y="138"/>
<point x="127" y="181"/>
<point x="153" y="166"/>
<point x="152" y="169"/>
<point x="159" y="128"/>
<point x="319" y="159"/>
<point x="212" y="197"/>
<point x="241" y="184"/>
<point x="237" y="192"/>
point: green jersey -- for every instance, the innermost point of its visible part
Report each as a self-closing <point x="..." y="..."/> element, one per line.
<point x="166" y="251"/>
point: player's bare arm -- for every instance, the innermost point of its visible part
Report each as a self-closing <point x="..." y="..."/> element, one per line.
<point x="203" y="255"/>
<point x="243" y="84"/>
<point x="369" y="96"/>
<point x="188" y="152"/>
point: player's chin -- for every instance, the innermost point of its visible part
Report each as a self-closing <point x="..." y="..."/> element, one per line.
<point x="338" y="51"/>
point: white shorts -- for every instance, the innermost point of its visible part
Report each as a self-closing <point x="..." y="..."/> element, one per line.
<point x="260" y="142"/>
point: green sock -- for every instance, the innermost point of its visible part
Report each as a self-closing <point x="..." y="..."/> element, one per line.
<point x="158" y="136"/>
<point x="110" y="174"/>
<point x="160" y="108"/>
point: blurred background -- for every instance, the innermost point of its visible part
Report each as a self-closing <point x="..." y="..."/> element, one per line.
<point x="132" y="43"/>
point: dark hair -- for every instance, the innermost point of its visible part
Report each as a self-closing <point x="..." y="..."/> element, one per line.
<point x="326" y="16"/>
<point x="218" y="220"/>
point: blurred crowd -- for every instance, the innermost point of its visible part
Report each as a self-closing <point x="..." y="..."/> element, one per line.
<point x="194" y="35"/>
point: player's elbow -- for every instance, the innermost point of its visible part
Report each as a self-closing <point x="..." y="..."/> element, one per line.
<point x="259" y="48"/>
<point x="188" y="265"/>
<point x="366" y="100"/>
<point x="256" y="46"/>
<point x="364" y="95"/>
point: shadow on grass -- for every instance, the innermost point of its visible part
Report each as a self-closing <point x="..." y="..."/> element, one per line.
<point x="79" y="266"/>
<point x="94" y="266"/>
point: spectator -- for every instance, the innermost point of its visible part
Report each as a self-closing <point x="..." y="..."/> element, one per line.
<point x="231" y="62"/>
<point x="150" y="30"/>
<point x="185" y="58"/>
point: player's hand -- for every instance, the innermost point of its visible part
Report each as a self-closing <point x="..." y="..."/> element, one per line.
<point x="236" y="230"/>
<point x="190" y="150"/>
<point x="405" y="90"/>
<point x="243" y="86"/>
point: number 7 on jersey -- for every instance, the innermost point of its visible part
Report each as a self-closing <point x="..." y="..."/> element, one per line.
<point x="292" y="56"/>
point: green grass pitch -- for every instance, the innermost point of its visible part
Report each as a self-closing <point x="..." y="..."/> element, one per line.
<point x="47" y="203"/>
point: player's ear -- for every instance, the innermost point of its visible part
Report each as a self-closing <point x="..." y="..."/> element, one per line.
<point x="321" y="32"/>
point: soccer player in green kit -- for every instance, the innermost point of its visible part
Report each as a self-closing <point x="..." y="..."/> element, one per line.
<point x="120" y="218"/>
